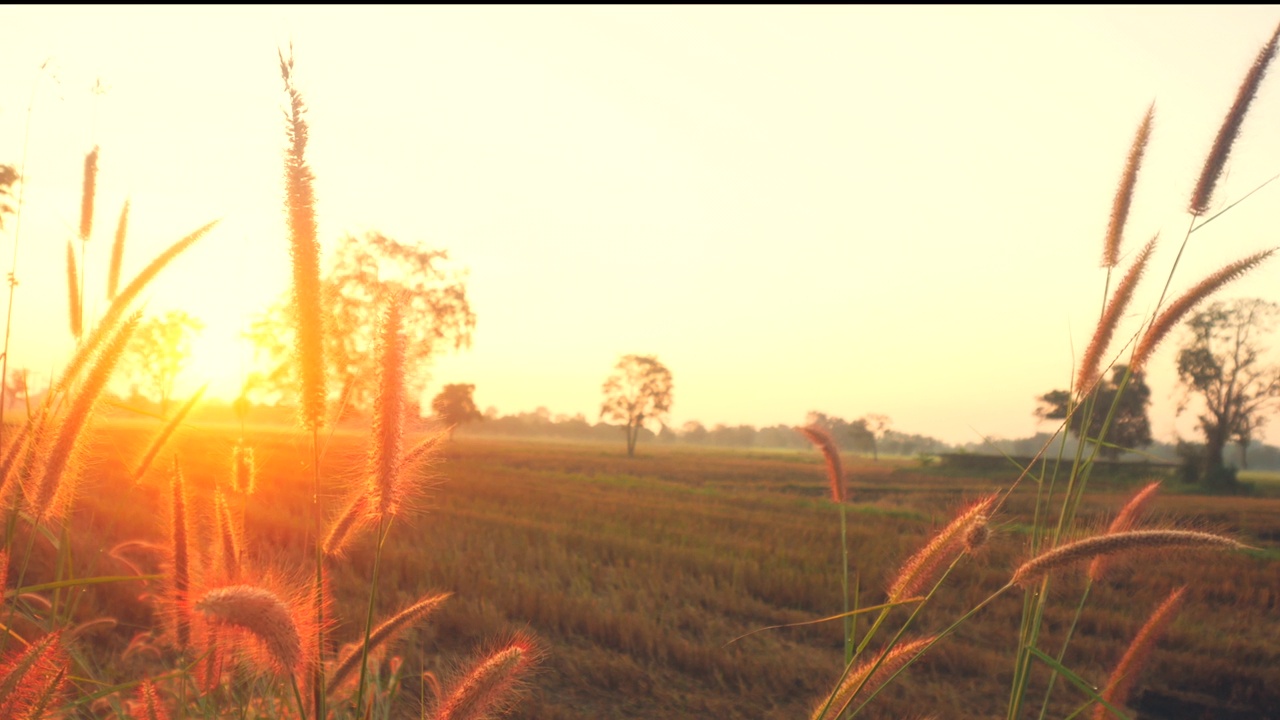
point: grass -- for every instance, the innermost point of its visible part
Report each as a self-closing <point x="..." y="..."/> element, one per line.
<point x="644" y="577"/>
<point x="637" y="573"/>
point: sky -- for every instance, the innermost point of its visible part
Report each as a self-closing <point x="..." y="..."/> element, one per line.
<point x="846" y="209"/>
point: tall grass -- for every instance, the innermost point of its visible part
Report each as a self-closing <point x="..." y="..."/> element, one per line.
<point x="1057" y="541"/>
<point x="238" y="633"/>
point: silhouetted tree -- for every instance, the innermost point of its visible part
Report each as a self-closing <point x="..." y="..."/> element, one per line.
<point x="436" y="316"/>
<point x="158" y="352"/>
<point x="1130" y="427"/>
<point x="877" y="425"/>
<point x="455" y="406"/>
<point x="638" y="390"/>
<point x="1221" y="364"/>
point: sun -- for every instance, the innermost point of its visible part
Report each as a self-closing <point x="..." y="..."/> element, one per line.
<point x="220" y="356"/>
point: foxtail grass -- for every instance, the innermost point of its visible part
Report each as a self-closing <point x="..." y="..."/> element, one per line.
<point x="382" y="635"/>
<point x="304" y="248"/>
<point x="1115" y="543"/>
<point x="491" y="683"/>
<point x="75" y="311"/>
<point x="1216" y="161"/>
<point x="826" y="444"/>
<point x="117" y="252"/>
<point x="1125" y="675"/>
<point x="1178" y="309"/>
<point x="1124" y="193"/>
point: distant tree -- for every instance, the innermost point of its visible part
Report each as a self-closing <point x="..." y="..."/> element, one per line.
<point x="455" y="406"/>
<point x="638" y="390"/>
<point x="877" y="425"/>
<point x="693" y="432"/>
<point x="158" y="352"/>
<point x="1221" y="364"/>
<point x="17" y="387"/>
<point x="436" y="316"/>
<point x="1130" y="427"/>
<point x="854" y="436"/>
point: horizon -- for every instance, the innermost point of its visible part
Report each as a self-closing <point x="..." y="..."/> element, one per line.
<point x="847" y="210"/>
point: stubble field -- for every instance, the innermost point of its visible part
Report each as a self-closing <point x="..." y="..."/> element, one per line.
<point x="638" y="574"/>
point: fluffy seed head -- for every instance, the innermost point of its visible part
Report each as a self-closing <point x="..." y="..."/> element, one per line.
<point x="1110" y="544"/>
<point x="151" y="708"/>
<point x="261" y="613"/>
<point x="382" y="635"/>
<point x="1092" y="360"/>
<point x="73" y="423"/>
<point x="117" y="252"/>
<point x="388" y="425"/>
<point x="1124" y="193"/>
<point x="74" y="308"/>
<point x="821" y="439"/>
<point x="1135" y="657"/>
<point x="1178" y="309"/>
<point x="863" y="676"/>
<point x="491" y="683"/>
<point x="305" y="249"/>
<point x="181" y="577"/>
<point x="1125" y="520"/>
<point x="87" y="193"/>
<point x="924" y="567"/>
<point x="1216" y="161"/>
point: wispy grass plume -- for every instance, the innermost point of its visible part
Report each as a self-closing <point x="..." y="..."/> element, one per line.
<point x="1124" y="193"/>
<point x="117" y="252"/>
<point x="87" y="193"/>
<point x="305" y="248"/>
<point x="1110" y="544"/>
<point x="180" y="579"/>
<point x="71" y="426"/>
<point x="821" y="439"/>
<point x="490" y="683"/>
<point x="74" y="308"/>
<point x="1135" y="657"/>
<point x="1216" y="160"/>
<point x="924" y="567"/>
<point x="121" y="303"/>
<point x="1126" y="519"/>
<point x="1172" y="315"/>
<point x="382" y="634"/>
<point x="388" y="424"/>
<point x="1090" y="364"/>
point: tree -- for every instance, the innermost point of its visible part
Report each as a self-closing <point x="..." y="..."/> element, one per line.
<point x="877" y="425"/>
<point x="455" y="406"/>
<point x="638" y="390"/>
<point x="364" y="271"/>
<point x="1130" y="427"/>
<point x="158" y="352"/>
<point x="1221" y="363"/>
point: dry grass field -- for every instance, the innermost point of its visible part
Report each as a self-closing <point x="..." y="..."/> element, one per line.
<point x="637" y="575"/>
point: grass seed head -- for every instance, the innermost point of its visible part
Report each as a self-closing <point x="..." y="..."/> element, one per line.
<point x="492" y="682"/>
<point x="1114" y="543"/>
<point x="1135" y="657"/>
<point x="924" y="567"/>
<point x="264" y="615"/>
<point x="826" y="444"/>
<point x="1216" y="161"/>
<point x="1124" y="193"/>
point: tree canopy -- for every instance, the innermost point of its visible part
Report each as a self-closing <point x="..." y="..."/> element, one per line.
<point x="1221" y="365"/>
<point x="639" y="390"/>
<point x="1130" y="425"/>
<point x="364" y="270"/>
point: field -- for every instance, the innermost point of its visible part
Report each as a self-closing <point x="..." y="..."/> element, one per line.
<point x="637" y="576"/>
